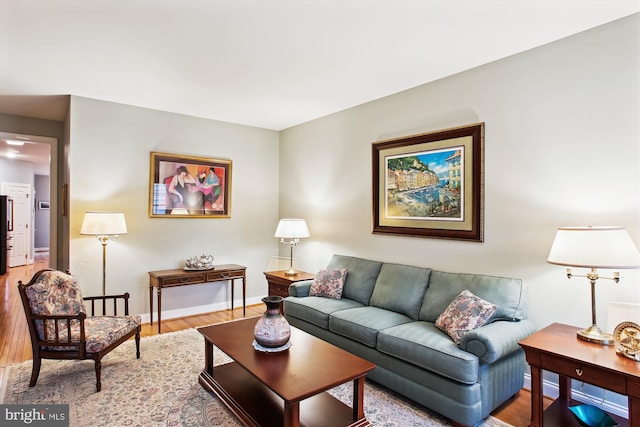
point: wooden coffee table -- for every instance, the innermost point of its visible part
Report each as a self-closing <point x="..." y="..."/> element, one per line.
<point x="287" y="388"/>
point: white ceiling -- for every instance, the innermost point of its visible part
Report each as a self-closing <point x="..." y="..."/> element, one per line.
<point x="267" y="63"/>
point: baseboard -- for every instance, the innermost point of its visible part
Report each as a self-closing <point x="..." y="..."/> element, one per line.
<point x="199" y="309"/>
<point x="551" y="389"/>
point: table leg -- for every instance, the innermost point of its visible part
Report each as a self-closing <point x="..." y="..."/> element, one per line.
<point x="159" y="292"/>
<point x="634" y="410"/>
<point x="564" y="387"/>
<point x="291" y="414"/>
<point x="536" y="397"/>
<point x="208" y="357"/>
<point x="358" y="399"/>
<point x="233" y="286"/>
<point x="244" y="293"/>
<point x="151" y="303"/>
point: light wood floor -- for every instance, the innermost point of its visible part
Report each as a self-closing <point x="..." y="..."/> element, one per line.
<point x="15" y="345"/>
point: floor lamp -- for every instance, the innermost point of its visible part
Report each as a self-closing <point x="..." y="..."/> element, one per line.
<point x="594" y="248"/>
<point x="290" y="231"/>
<point x="104" y="225"/>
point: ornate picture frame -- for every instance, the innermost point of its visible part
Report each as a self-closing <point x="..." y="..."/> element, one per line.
<point x="183" y="186"/>
<point x="430" y="185"/>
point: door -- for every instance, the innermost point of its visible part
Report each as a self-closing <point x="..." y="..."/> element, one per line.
<point x="21" y="234"/>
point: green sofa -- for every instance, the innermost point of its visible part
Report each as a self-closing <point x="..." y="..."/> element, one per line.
<point x="387" y="315"/>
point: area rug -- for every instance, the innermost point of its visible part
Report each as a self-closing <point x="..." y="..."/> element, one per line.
<point x="161" y="389"/>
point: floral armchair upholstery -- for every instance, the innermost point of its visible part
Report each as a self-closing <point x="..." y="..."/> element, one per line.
<point x="60" y="327"/>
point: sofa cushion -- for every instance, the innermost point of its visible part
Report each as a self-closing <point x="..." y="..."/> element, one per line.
<point x="400" y="288"/>
<point x="510" y="295"/>
<point x="363" y="323"/>
<point x="361" y="278"/>
<point x="465" y="313"/>
<point x="328" y="283"/>
<point x="424" y="345"/>
<point x="316" y="310"/>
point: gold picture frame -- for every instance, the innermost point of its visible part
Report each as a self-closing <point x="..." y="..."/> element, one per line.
<point x="183" y="186"/>
<point x="430" y="185"/>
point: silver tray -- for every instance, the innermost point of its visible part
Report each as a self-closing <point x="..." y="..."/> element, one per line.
<point x="211" y="267"/>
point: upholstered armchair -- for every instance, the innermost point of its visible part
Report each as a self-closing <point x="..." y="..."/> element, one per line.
<point x="60" y="327"/>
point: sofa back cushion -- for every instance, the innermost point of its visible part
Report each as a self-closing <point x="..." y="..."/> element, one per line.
<point x="510" y="295"/>
<point x="361" y="276"/>
<point x="400" y="288"/>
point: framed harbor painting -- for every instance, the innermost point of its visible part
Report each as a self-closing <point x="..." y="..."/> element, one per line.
<point x="188" y="186"/>
<point x="430" y="185"/>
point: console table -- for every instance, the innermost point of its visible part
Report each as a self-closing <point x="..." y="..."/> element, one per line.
<point x="180" y="277"/>
<point x="557" y="349"/>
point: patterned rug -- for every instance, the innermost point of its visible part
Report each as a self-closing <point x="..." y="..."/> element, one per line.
<point x="161" y="389"/>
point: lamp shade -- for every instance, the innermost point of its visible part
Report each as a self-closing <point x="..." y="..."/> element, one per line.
<point x="103" y="224"/>
<point x="290" y="228"/>
<point x="594" y="247"/>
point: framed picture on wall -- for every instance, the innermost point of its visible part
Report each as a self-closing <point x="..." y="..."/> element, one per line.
<point x="43" y="204"/>
<point x="430" y="185"/>
<point x="183" y="186"/>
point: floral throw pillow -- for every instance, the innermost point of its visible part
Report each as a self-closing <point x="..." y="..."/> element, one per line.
<point x="54" y="292"/>
<point x="328" y="283"/>
<point x="465" y="313"/>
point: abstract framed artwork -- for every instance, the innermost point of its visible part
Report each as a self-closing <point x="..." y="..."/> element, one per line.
<point x="430" y="185"/>
<point x="188" y="186"/>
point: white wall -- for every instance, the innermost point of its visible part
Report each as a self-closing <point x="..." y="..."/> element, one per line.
<point x="16" y="171"/>
<point x="562" y="148"/>
<point x="110" y="147"/>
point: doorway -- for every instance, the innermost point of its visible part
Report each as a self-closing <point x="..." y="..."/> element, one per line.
<point x="28" y="176"/>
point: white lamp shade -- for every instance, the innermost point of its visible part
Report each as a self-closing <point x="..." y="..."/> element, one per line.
<point x="594" y="247"/>
<point x="290" y="228"/>
<point x="103" y="224"/>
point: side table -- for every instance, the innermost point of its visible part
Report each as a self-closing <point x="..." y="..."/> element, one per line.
<point x="279" y="282"/>
<point x="557" y="349"/>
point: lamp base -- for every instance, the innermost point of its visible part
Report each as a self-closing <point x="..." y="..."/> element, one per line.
<point x="290" y="272"/>
<point x="595" y="335"/>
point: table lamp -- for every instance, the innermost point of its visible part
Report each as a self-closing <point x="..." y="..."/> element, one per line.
<point x="593" y="248"/>
<point x="290" y="231"/>
<point x="104" y="225"/>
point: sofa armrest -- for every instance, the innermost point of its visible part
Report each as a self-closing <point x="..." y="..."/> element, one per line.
<point x="495" y="340"/>
<point x="300" y="289"/>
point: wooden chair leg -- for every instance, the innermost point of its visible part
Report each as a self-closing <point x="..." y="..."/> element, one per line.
<point x="98" y="374"/>
<point x="138" y="345"/>
<point x="35" y="370"/>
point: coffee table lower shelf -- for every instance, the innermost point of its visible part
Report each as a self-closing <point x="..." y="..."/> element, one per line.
<point x="256" y="405"/>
